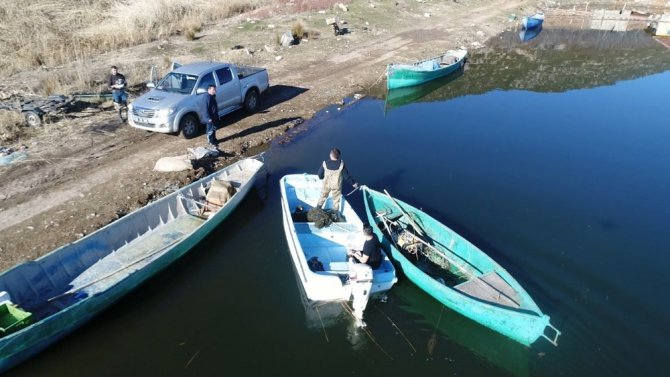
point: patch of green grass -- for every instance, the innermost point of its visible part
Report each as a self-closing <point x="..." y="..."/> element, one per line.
<point x="198" y="50"/>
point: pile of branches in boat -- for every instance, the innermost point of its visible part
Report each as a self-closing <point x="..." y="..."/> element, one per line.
<point x="427" y="257"/>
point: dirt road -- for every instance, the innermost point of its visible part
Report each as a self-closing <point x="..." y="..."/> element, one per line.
<point x="90" y="169"/>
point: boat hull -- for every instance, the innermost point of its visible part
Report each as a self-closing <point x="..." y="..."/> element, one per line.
<point x="524" y="324"/>
<point x="404" y="75"/>
<point x="526" y="35"/>
<point x="28" y="342"/>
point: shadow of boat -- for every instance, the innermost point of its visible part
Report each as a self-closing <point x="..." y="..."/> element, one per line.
<point x="403" y="96"/>
<point x="498" y="350"/>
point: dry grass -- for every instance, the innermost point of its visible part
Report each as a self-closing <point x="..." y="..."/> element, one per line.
<point x="11" y="125"/>
<point x="299" y="6"/>
<point x="37" y="33"/>
<point x="191" y="26"/>
<point x="298" y="29"/>
<point x="82" y="79"/>
<point x="53" y="34"/>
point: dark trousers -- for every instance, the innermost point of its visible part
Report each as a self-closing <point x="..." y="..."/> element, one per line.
<point x="119" y="96"/>
<point x="211" y="133"/>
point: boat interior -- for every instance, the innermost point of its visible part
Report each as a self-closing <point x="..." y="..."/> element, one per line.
<point x="330" y="243"/>
<point x="440" y="262"/>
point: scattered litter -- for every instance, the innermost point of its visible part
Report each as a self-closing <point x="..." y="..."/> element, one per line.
<point x="198" y="153"/>
<point x="10" y="155"/>
<point x="286" y="39"/>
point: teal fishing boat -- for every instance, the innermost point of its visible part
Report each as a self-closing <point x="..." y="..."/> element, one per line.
<point x="454" y="271"/>
<point x="402" y="75"/>
<point x="46" y="299"/>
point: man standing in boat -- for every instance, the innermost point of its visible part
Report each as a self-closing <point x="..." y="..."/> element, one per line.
<point x="333" y="171"/>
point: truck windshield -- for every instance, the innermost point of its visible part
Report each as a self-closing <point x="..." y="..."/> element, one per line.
<point x="178" y="83"/>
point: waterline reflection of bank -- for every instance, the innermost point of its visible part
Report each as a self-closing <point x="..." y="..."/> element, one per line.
<point x="557" y="60"/>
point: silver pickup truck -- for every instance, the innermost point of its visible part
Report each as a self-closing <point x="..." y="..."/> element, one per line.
<point x="176" y="103"/>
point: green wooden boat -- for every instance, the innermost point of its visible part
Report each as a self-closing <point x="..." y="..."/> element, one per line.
<point x="402" y="75"/>
<point x="454" y="271"/>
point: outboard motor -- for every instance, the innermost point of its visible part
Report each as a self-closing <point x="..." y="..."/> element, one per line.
<point x="360" y="278"/>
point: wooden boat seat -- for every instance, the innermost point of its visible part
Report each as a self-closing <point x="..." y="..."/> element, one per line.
<point x="392" y="216"/>
<point x="238" y="178"/>
<point x="490" y="287"/>
<point x="448" y="60"/>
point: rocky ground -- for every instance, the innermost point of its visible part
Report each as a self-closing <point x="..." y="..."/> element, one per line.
<point x="88" y="169"/>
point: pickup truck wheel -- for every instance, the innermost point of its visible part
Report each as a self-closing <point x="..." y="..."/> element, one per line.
<point x="33" y="119"/>
<point x="251" y="101"/>
<point x="189" y="126"/>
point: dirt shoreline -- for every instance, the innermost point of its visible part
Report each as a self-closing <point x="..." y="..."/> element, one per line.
<point x="92" y="170"/>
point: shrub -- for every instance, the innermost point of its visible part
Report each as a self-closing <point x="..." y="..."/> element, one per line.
<point x="298" y="29"/>
<point x="43" y="32"/>
<point x="11" y="125"/>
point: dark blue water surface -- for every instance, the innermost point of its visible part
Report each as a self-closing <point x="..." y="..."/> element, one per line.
<point x="562" y="176"/>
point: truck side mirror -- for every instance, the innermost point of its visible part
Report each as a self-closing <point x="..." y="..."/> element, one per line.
<point x="200" y="91"/>
<point x="151" y="85"/>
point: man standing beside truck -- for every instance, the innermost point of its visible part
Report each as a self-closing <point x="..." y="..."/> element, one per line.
<point x="212" y="116"/>
<point x="117" y="83"/>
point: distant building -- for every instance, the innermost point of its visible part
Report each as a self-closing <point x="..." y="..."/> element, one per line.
<point x="663" y="25"/>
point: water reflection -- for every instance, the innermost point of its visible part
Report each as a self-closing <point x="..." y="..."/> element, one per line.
<point x="496" y="349"/>
<point x="596" y="58"/>
<point x="402" y="96"/>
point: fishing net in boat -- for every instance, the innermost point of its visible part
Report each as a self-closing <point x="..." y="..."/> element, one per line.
<point x="322" y="218"/>
<point x="428" y="257"/>
<point x="405" y="240"/>
<point x="410" y="243"/>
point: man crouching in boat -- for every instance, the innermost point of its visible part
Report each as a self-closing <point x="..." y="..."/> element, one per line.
<point x="371" y="253"/>
<point x="332" y="172"/>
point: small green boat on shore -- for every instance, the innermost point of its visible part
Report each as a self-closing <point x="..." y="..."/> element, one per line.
<point x="402" y="75"/>
<point x="454" y="271"/>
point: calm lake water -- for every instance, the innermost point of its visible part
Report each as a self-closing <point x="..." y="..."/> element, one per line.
<point x="552" y="158"/>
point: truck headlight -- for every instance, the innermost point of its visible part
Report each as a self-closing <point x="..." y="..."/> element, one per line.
<point x="164" y="113"/>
